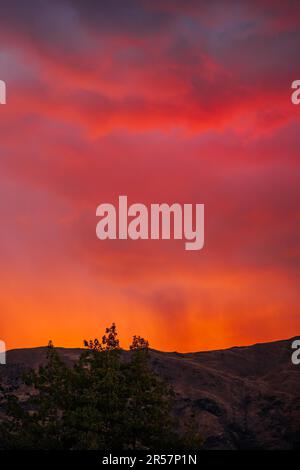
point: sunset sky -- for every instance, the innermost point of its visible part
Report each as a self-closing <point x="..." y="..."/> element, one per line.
<point x="163" y="101"/>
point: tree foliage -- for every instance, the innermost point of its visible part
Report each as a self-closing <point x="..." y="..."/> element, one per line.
<point x="109" y="399"/>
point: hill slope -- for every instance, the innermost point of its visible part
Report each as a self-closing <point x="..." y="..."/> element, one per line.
<point x="243" y="397"/>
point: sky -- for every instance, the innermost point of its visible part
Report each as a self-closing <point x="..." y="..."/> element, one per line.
<point x="165" y="101"/>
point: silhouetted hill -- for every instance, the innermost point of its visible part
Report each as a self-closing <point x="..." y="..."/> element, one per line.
<point x="242" y="397"/>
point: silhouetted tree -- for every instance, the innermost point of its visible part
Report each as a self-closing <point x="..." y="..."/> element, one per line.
<point x="37" y="421"/>
<point x="149" y="419"/>
<point x="108" y="400"/>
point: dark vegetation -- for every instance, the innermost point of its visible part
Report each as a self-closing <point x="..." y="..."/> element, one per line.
<point x="103" y="401"/>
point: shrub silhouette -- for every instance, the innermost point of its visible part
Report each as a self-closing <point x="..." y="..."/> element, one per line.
<point x="108" y="400"/>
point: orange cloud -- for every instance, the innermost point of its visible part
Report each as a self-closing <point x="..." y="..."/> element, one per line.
<point x="163" y="103"/>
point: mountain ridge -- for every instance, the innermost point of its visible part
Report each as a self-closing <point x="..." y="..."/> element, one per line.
<point x="241" y="397"/>
<point x="170" y="352"/>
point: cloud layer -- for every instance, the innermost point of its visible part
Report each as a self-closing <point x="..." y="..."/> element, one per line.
<point x="165" y="102"/>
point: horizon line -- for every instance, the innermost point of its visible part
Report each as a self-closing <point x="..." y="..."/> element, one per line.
<point x="169" y="352"/>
